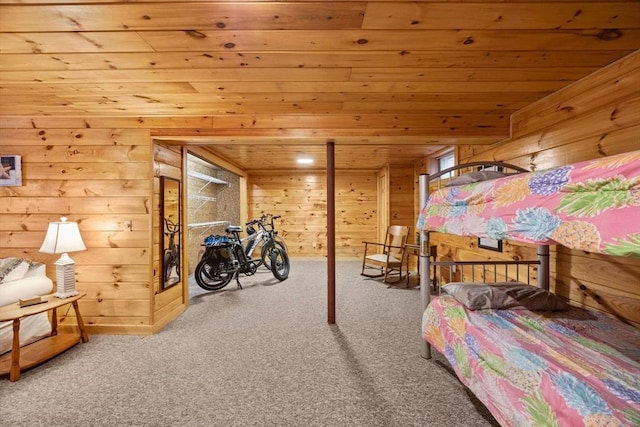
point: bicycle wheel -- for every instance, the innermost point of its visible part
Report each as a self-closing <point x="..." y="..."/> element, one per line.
<point x="211" y="275"/>
<point x="267" y="248"/>
<point x="279" y="264"/>
<point x="282" y="242"/>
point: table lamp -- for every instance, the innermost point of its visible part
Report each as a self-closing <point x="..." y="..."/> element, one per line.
<point x="63" y="237"/>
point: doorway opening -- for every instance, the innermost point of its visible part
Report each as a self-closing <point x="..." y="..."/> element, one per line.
<point x="213" y="203"/>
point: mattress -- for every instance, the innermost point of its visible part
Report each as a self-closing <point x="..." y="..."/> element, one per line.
<point x="583" y="206"/>
<point x="565" y="368"/>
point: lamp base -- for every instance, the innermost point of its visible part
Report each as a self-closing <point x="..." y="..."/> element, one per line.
<point x="65" y="277"/>
<point x="66" y="294"/>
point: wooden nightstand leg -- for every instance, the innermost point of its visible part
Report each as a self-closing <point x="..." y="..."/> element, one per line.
<point x="14" y="372"/>
<point x="54" y="321"/>
<point x="83" y="332"/>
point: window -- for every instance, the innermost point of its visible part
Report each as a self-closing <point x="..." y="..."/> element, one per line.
<point x="446" y="161"/>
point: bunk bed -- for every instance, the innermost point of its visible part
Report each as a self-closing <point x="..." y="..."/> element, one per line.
<point x="530" y="357"/>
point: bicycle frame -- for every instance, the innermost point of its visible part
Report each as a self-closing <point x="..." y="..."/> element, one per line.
<point x="252" y="240"/>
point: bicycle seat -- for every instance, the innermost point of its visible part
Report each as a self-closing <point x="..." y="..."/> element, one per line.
<point x="233" y="229"/>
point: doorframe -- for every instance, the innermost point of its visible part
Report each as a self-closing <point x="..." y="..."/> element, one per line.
<point x="383" y="202"/>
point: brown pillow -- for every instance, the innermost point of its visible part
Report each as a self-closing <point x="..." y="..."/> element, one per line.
<point x="471" y="177"/>
<point x="504" y="295"/>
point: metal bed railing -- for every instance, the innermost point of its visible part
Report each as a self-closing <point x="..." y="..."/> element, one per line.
<point x="443" y="272"/>
<point x="440" y="179"/>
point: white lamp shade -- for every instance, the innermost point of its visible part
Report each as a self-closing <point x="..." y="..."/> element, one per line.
<point x="62" y="237"/>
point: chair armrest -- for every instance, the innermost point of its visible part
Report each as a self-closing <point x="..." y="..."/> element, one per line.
<point x="366" y="246"/>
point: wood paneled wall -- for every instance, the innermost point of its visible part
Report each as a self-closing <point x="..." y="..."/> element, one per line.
<point x="101" y="178"/>
<point x="169" y="303"/>
<point x="595" y="117"/>
<point x="103" y="172"/>
<point x="401" y="190"/>
<point x="301" y="199"/>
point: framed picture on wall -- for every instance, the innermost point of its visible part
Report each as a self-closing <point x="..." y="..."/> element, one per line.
<point x="10" y="171"/>
<point x="491" y="244"/>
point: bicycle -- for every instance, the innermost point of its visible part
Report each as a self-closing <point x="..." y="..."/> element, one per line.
<point x="225" y="257"/>
<point x="260" y="238"/>
<point x="171" y="256"/>
<point x="265" y="237"/>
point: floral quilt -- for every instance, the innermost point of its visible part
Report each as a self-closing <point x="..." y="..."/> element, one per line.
<point x="562" y="368"/>
<point x="592" y="205"/>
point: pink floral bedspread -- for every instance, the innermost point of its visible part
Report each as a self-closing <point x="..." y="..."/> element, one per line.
<point x="593" y="206"/>
<point x="563" y="368"/>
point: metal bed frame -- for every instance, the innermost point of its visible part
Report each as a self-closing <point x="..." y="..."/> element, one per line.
<point x="472" y="271"/>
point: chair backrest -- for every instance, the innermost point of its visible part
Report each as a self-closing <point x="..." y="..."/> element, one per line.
<point x="396" y="238"/>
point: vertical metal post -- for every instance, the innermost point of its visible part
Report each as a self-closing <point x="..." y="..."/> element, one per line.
<point x="543" y="271"/>
<point x="331" y="233"/>
<point x="425" y="282"/>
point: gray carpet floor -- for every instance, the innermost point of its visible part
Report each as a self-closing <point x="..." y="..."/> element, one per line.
<point x="259" y="356"/>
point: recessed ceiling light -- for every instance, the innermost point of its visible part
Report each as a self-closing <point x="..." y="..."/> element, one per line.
<point x="305" y="161"/>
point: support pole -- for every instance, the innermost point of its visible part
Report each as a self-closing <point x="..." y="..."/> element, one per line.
<point x="331" y="232"/>
<point x="425" y="282"/>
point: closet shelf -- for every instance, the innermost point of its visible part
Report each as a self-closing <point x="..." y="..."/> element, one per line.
<point x="207" y="178"/>
<point x="207" y="224"/>
<point x="199" y="197"/>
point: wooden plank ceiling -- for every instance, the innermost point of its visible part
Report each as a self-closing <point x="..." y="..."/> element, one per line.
<point x="389" y="81"/>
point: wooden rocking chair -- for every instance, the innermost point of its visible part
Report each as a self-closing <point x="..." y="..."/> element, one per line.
<point x="388" y="257"/>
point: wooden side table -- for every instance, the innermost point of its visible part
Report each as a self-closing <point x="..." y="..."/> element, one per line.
<point x="19" y="359"/>
<point x="412" y="250"/>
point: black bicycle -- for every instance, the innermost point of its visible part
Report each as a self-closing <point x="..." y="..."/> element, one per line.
<point x="171" y="256"/>
<point x="225" y="258"/>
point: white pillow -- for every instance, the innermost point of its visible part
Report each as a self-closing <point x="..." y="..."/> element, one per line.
<point x="13" y="269"/>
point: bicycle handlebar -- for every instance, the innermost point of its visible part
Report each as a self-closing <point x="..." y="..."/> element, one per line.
<point x="262" y="219"/>
<point x="171" y="226"/>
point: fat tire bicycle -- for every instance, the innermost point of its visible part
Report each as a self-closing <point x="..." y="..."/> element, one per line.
<point x="225" y="257"/>
<point x="171" y="256"/>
